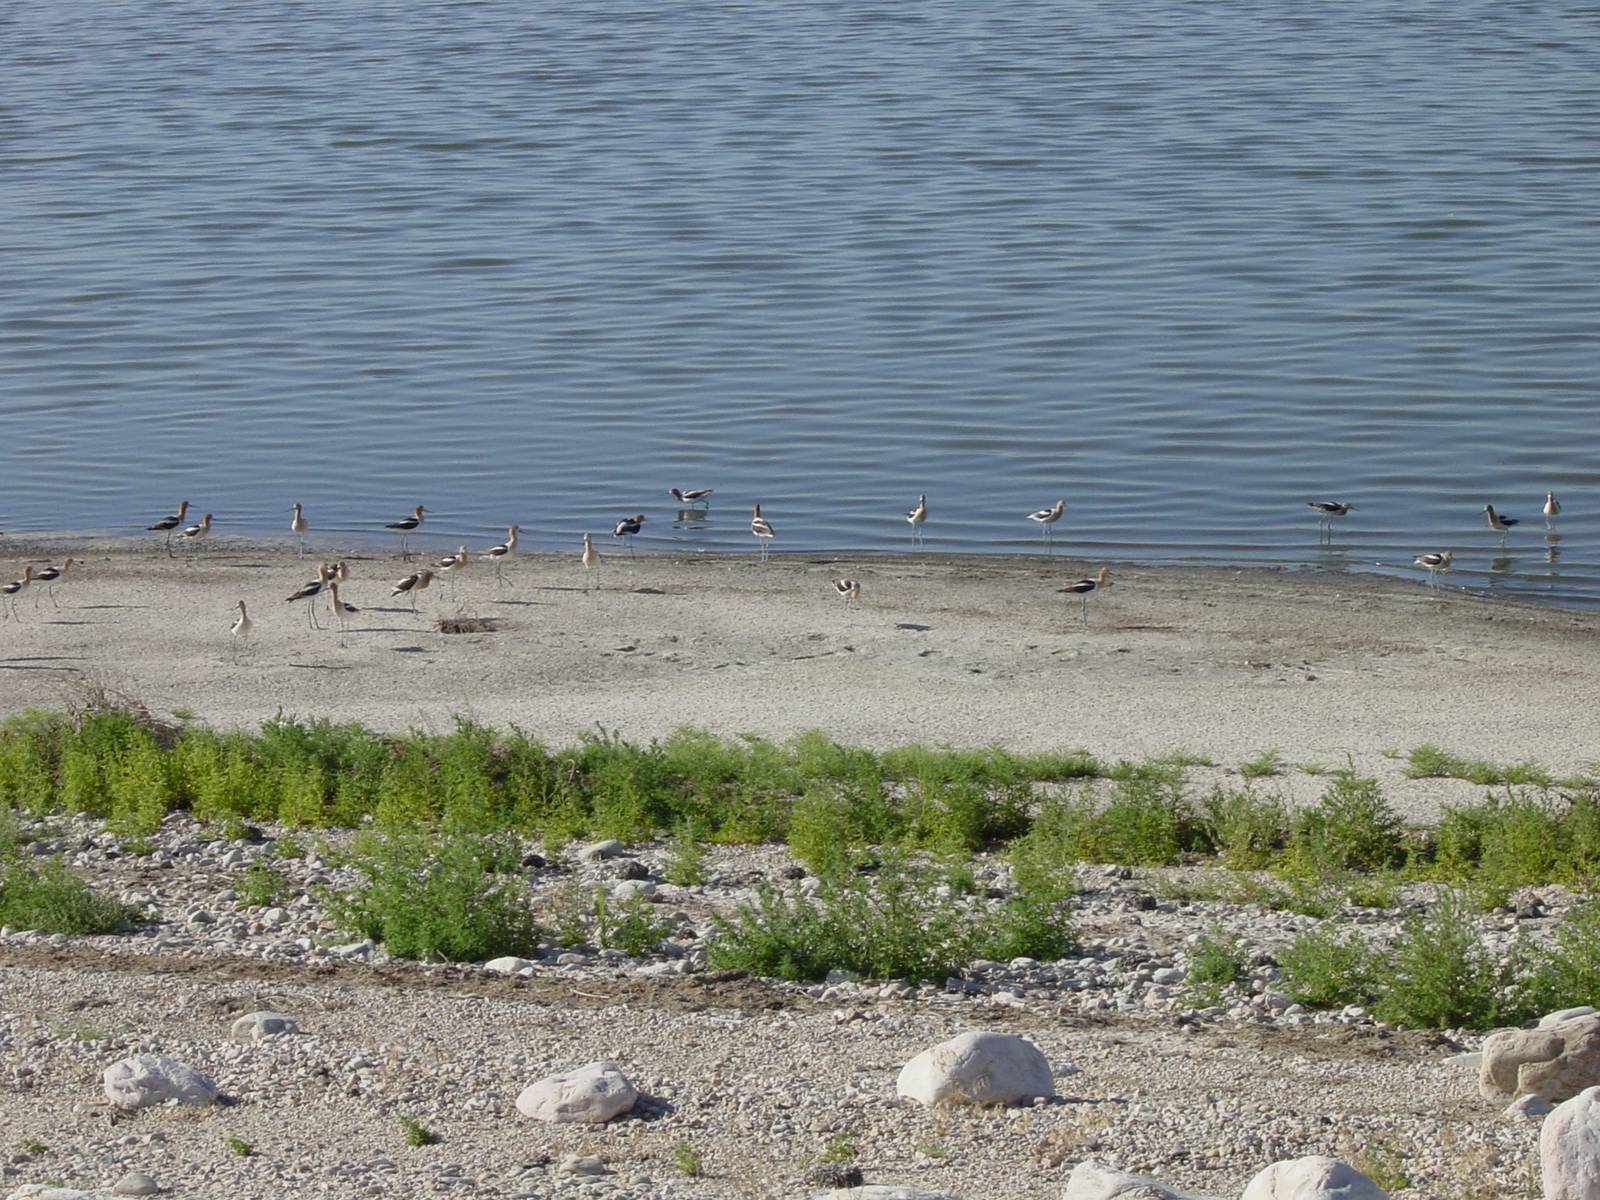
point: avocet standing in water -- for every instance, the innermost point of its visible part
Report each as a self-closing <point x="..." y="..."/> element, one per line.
<point x="1046" y="519"/>
<point x="1434" y="563"/>
<point x="1499" y="523"/>
<point x="763" y="530"/>
<point x="1552" y="509"/>
<point x="692" y="497"/>
<point x="917" y="517"/>
<point x="1327" y="510"/>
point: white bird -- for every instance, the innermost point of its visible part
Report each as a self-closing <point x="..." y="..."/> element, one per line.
<point x="1552" y="509"/>
<point x="916" y="517"/>
<point x="1083" y="587"/>
<point x="416" y="582"/>
<point x="1500" y="524"/>
<point x="341" y="610"/>
<point x="15" y="588"/>
<point x="242" y="626"/>
<point x="1434" y="563"/>
<point x="309" y="592"/>
<point x="629" y="528"/>
<point x="591" y="559"/>
<point x="50" y="576"/>
<point x="499" y="554"/>
<point x="691" y="497"/>
<point x="168" y="523"/>
<point x="197" y="533"/>
<point x="1327" y="510"/>
<point x="405" y="525"/>
<point x="298" y="527"/>
<point x="452" y="565"/>
<point x="850" y="589"/>
<point x="1047" y="518"/>
<point x="763" y="530"/>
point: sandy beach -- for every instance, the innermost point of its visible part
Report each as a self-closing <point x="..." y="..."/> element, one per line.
<point x="1325" y="669"/>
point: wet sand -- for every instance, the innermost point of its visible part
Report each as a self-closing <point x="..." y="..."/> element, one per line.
<point x="943" y="649"/>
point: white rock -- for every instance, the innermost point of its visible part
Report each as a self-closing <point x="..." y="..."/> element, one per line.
<point x="594" y="1094"/>
<point x="977" y="1068"/>
<point x="582" y="1164"/>
<point x="1529" y="1108"/>
<point x="44" y="1191"/>
<point x="1565" y="1014"/>
<point x="147" y="1079"/>
<point x="135" y="1184"/>
<point x="508" y="965"/>
<point x="362" y="949"/>
<point x="257" y="1026"/>
<point x="1092" y="1181"/>
<point x="594" y="851"/>
<point x="1569" y="1148"/>
<point x="629" y="888"/>
<point x="882" y="1191"/>
<point x="1312" y="1178"/>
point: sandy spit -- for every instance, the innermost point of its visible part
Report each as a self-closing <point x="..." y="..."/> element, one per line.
<point x="1326" y="669"/>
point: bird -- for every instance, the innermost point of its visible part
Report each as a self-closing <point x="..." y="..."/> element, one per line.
<point x="242" y="625"/>
<point x="499" y="554"/>
<point x="341" y="571"/>
<point x="298" y="527"/>
<point x="416" y="582"/>
<point x="13" y="589"/>
<point x="405" y="526"/>
<point x="1327" y="510"/>
<point x="691" y="497"/>
<point x="341" y="610"/>
<point x="850" y="589"/>
<point x="1500" y="524"/>
<point x="1434" y="563"/>
<point x="591" y="559"/>
<point x="763" y="529"/>
<point x="51" y="576"/>
<point x="917" y="516"/>
<point x="1552" y="509"/>
<point x="1083" y="587"/>
<point x="196" y="533"/>
<point x="1047" y="518"/>
<point x="629" y="528"/>
<point x="308" y="592"/>
<point x="452" y="565"/>
<point x="168" y="523"/>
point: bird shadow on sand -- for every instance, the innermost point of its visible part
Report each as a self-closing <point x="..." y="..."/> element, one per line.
<point x="519" y="603"/>
<point x="320" y="666"/>
<point x="409" y="649"/>
<point x="379" y="629"/>
<point x="9" y="666"/>
<point x="95" y="606"/>
<point x="913" y="627"/>
<point x="60" y="622"/>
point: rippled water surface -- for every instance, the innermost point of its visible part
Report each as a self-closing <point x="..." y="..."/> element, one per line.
<point x="1187" y="266"/>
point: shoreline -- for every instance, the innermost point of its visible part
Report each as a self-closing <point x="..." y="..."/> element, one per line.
<point x="944" y="649"/>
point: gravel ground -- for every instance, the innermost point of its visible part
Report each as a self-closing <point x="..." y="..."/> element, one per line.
<point x="758" y="1080"/>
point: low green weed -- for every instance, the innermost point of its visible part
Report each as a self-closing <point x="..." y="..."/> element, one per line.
<point x="1263" y="766"/>
<point x="1216" y="961"/>
<point x="50" y="897"/>
<point x="415" y="1132"/>
<point x="1330" y="966"/>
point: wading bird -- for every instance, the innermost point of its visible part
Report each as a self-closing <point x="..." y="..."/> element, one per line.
<point x="499" y="554"/>
<point x="168" y="523"/>
<point x="1047" y="518"/>
<point x="591" y="559"/>
<point x="1552" y="509"/>
<point x="298" y="527"/>
<point x="1434" y="563"/>
<point x="763" y="530"/>
<point x="309" y="592"/>
<point x="692" y="497"/>
<point x="242" y="625"/>
<point x="51" y="576"/>
<point x="1327" y="510"/>
<point x="850" y="589"/>
<point x="15" y="588"/>
<point x="1500" y="524"/>
<point x="917" y="517"/>
<point x="1083" y="587"/>
<point x="629" y="528"/>
<point x="197" y="533"/>
<point x="416" y="582"/>
<point x="405" y="526"/>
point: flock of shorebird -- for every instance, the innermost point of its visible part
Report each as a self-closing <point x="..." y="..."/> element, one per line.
<point x="693" y="500"/>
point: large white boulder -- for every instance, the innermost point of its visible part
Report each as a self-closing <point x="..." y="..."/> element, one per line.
<point x="1312" y="1178"/>
<point x="1092" y="1181"/>
<point x="1556" y="1061"/>
<point x="977" y="1068"/>
<point x="592" y="1094"/>
<point x="882" y="1191"/>
<point x="1569" y="1148"/>
<point x="147" y="1079"/>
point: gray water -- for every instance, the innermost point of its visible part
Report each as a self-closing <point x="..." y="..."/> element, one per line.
<point x="1186" y="265"/>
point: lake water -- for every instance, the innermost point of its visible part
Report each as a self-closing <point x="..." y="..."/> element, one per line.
<point x="1186" y="265"/>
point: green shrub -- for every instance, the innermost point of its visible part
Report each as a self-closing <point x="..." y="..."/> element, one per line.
<point x="1329" y="966"/>
<point x="1568" y="973"/>
<point x="1351" y="829"/>
<point x="51" y="897"/>
<point x="450" y="898"/>
<point x="635" y="930"/>
<point x="1264" y="766"/>
<point x="1216" y="961"/>
<point x="1440" y="975"/>
<point x="1245" y="829"/>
